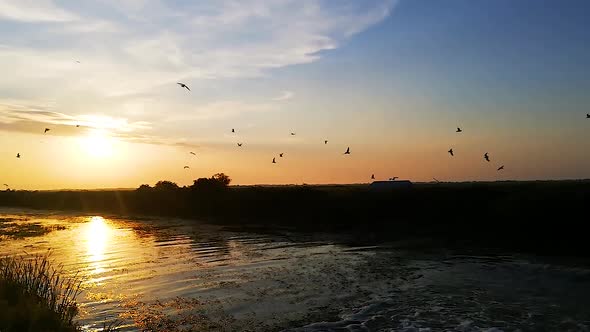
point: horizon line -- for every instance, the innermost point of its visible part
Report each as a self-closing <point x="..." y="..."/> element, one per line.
<point x="308" y="184"/>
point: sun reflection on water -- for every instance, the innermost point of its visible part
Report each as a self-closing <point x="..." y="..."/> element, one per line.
<point x="97" y="239"/>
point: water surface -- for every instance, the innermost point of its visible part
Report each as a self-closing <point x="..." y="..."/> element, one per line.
<point x="185" y="275"/>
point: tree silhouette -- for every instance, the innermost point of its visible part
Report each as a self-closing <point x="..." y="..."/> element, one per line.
<point x="166" y="186"/>
<point x="222" y="179"/>
<point x="217" y="182"/>
<point x="144" y="187"/>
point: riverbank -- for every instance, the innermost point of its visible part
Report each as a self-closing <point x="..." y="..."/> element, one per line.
<point x="539" y="216"/>
<point x="35" y="297"/>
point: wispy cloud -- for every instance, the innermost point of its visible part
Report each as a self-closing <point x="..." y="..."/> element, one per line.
<point x="156" y="140"/>
<point x="205" y="39"/>
<point x="34" y="11"/>
<point x="222" y="110"/>
<point x="43" y="115"/>
<point x="132" y="49"/>
<point x="16" y="117"/>
<point x="285" y="95"/>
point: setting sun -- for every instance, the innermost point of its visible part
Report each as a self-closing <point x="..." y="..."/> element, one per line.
<point x="98" y="144"/>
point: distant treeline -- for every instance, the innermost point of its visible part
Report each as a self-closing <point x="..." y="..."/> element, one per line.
<point x="537" y="215"/>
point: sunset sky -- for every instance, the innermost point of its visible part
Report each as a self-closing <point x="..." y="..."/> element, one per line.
<point x="392" y="80"/>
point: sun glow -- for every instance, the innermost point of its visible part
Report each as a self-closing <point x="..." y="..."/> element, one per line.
<point x="98" y="144"/>
<point x="97" y="238"/>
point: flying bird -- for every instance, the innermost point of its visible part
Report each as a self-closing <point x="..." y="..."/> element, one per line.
<point x="326" y="142"/>
<point x="233" y="130"/>
<point x="292" y="134"/>
<point x="393" y="178"/>
<point x="347" y="151"/>
<point x="182" y="85"/>
<point x="77" y="126"/>
<point x="451" y="152"/>
<point x="274" y="161"/>
<point x="501" y="168"/>
<point x="587" y="116"/>
<point x="459" y="130"/>
<point x="46" y="130"/>
<point x="6" y="185"/>
<point x="486" y="157"/>
<point x="194" y="154"/>
<point x="185" y="167"/>
<point x="281" y="155"/>
<point x="18" y="155"/>
<point x="77" y="61"/>
<point x="372" y="176"/>
<point x="239" y="144"/>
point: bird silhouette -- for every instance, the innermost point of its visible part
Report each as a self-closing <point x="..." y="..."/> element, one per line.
<point x="501" y="168"/>
<point x="46" y="130"/>
<point x="451" y="152"/>
<point x="182" y="85"/>
<point x="393" y="178"/>
<point x="459" y="130"/>
<point x="372" y="176"/>
<point x="77" y="126"/>
<point x="587" y="116"/>
<point x="292" y="134"/>
<point x="486" y="157"/>
<point x="239" y="144"/>
<point x="233" y="130"/>
<point x="281" y="155"/>
<point x="18" y="155"/>
<point x="6" y="185"/>
<point x="347" y="151"/>
<point x="326" y="142"/>
<point x="194" y="154"/>
<point x="274" y="161"/>
<point x="185" y="167"/>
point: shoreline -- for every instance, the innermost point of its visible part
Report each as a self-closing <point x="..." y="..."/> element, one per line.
<point x="537" y="217"/>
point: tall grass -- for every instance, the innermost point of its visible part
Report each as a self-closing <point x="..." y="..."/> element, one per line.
<point x="35" y="296"/>
<point x="34" y="285"/>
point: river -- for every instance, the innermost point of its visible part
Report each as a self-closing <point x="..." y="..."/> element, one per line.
<point x="183" y="275"/>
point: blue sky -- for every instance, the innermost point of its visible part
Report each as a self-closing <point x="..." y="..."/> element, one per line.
<point x="391" y="78"/>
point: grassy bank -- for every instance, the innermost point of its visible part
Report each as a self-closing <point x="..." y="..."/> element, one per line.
<point x="35" y="297"/>
<point x="534" y="216"/>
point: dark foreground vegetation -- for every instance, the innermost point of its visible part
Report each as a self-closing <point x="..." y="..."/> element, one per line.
<point x="36" y="297"/>
<point x="539" y="216"/>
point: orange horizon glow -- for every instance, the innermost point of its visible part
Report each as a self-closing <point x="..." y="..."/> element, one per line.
<point x="103" y="78"/>
<point x="97" y="160"/>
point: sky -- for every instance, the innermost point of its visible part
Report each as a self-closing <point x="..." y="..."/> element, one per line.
<point x="391" y="79"/>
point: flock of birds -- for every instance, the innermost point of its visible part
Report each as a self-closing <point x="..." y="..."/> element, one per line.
<point x="274" y="159"/>
<point x="486" y="155"/>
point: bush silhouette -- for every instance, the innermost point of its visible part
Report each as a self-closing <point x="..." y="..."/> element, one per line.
<point x="165" y="186"/>
<point x="222" y="179"/>
<point x="217" y="182"/>
<point x="144" y="187"/>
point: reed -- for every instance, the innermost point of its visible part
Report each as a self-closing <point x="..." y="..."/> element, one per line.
<point x="34" y="294"/>
<point x="36" y="277"/>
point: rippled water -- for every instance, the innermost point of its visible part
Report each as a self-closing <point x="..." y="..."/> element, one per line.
<point x="168" y="274"/>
